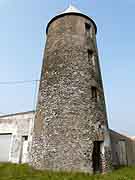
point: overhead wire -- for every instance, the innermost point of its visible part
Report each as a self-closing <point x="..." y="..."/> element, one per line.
<point x="17" y="82"/>
<point x="36" y="81"/>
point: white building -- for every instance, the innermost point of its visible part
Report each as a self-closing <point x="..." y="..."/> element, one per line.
<point x="15" y="137"/>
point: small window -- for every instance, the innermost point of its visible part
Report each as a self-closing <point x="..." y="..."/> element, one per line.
<point x="100" y="126"/>
<point x="88" y="30"/>
<point x="25" y="138"/>
<point x="87" y="27"/>
<point x="94" y="93"/>
<point x="90" y="54"/>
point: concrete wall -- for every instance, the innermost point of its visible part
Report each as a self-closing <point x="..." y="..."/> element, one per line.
<point x="123" y="149"/>
<point x="19" y="125"/>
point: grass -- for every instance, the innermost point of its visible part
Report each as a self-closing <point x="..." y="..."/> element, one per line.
<point x="24" y="172"/>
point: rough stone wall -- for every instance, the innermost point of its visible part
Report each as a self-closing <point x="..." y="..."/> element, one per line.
<point x="18" y="125"/>
<point x="68" y="120"/>
<point x="127" y="155"/>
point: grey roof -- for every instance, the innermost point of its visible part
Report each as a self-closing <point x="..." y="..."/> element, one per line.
<point x="18" y="113"/>
<point x="71" y="9"/>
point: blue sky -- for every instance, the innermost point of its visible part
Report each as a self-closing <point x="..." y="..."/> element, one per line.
<point x="22" y="40"/>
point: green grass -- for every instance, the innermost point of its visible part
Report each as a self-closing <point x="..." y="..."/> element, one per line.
<point x="24" y="172"/>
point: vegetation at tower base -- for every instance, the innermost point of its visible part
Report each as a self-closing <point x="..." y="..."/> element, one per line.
<point x="24" y="172"/>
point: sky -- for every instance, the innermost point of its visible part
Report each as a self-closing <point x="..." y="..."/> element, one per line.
<point x="22" y="41"/>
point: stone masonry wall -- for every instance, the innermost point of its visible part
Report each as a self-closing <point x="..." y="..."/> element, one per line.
<point x="68" y="120"/>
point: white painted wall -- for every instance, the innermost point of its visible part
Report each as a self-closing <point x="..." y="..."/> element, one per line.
<point x="18" y="125"/>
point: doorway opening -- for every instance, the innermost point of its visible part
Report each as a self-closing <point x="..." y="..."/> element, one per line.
<point x="96" y="157"/>
<point x="24" y="150"/>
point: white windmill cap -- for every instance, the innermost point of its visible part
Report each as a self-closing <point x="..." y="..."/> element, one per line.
<point x="70" y="10"/>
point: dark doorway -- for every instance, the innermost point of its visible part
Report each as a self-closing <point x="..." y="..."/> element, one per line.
<point x="96" y="157"/>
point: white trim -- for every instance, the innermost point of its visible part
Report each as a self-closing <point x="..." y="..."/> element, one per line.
<point x="71" y="9"/>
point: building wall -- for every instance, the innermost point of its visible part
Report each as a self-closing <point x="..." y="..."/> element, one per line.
<point x="123" y="149"/>
<point x="19" y="126"/>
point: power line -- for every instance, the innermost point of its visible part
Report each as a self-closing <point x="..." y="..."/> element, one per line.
<point x="18" y="82"/>
<point x="35" y="91"/>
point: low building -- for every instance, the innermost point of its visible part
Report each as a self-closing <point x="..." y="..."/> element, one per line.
<point x="15" y="130"/>
<point x="123" y="149"/>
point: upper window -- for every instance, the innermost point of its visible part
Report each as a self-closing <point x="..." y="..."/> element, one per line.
<point x="94" y="92"/>
<point x="88" y="29"/>
<point x="90" y="54"/>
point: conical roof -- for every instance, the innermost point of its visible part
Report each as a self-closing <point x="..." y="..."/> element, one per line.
<point x="70" y="10"/>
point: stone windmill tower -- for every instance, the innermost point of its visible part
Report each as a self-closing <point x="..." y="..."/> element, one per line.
<point x="70" y="127"/>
